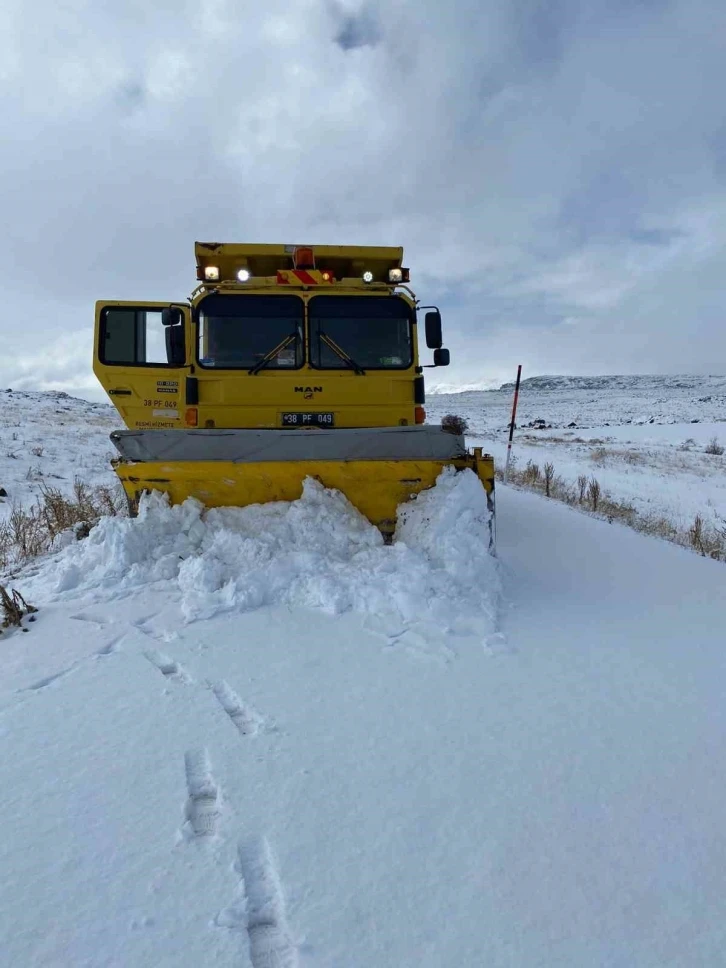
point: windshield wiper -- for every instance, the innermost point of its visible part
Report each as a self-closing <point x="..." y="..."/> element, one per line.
<point x="268" y="357"/>
<point x="341" y="353"/>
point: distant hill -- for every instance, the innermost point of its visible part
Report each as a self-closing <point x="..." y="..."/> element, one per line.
<point x="622" y="382"/>
<point x="478" y="387"/>
<point x="646" y="383"/>
<point x="589" y="401"/>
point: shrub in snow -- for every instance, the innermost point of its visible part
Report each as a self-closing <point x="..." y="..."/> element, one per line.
<point x="594" y="492"/>
<point x="53" y="521"/>
<point x="549" y="474"/>
<point x="581" y="488"/>
<point x="13" y="607"/>
<point x="453" y="424"/>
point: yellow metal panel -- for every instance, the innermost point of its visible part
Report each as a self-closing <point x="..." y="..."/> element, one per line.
<point x="146" y="396"/>
<point x="376" y="488"/>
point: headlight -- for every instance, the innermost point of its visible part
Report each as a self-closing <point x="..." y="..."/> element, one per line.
<point x="243" y="275"/>
<point x="211" y="273"/>
<point x="367" y="276"/>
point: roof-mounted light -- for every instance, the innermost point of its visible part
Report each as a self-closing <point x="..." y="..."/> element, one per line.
<point x="398" y="275"/>
<point x="303" y="257"/>
<point x="211" y="273"/>
<point x="367" y="276"/>
<point x="243" y="275"/>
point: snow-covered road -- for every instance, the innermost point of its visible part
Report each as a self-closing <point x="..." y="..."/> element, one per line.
<point x="613" y="851"/>
<point x="332" y="790"/>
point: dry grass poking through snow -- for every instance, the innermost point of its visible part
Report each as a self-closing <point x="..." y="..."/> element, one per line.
<point x="713" y="447"/>
<point x="588" y="495"/>
<point x="13" y="608"/>
<point x="32" y="530"/>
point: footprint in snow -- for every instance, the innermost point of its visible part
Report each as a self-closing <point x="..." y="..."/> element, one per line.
<point x="259" y="908"/>
<point x="247" y="720"/>
<point x="90" y="619"/>
<point x="110" y="647"/>
<point x="168" y="667"/>
<point x="202" y="812"/>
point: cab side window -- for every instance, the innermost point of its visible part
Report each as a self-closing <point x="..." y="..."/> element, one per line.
<point x="137" y="337"/>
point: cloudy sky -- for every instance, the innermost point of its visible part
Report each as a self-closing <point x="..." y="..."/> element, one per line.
<point x="555" y="169"/>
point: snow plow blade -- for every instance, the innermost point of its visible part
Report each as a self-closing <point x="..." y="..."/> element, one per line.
<point x="376" y="470"/>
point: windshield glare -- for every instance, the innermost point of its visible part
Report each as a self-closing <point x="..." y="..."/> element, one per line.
<point x="240" y="331"/>
<point x="373" y="331"/>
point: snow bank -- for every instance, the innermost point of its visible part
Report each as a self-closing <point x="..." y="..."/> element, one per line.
<point x="318" y="552"/>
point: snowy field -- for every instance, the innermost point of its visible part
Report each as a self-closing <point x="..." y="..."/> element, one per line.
<point x="643" y="438"/>
<point x="260" y="737"/>
<point x="51" y="438"/>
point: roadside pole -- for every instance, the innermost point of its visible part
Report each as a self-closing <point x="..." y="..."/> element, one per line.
<point x="511" y="426"/>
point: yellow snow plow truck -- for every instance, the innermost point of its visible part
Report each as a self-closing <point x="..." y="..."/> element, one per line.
<point x="287" y="362"/>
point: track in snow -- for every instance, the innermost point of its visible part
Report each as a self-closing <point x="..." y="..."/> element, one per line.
<point x="202" y="811"/>
<point x="247" y="720"/>
<point x="259" y="908"/>
<point x="167" y="666"/>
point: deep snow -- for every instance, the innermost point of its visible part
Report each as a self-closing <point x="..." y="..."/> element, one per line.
<point x="317" y="552"/>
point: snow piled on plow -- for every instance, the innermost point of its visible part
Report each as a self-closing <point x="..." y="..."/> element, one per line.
<point x="317" y="552"/>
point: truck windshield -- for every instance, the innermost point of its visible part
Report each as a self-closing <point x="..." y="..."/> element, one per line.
<point x="373" y="332"/>
<point x="240" y="332"/>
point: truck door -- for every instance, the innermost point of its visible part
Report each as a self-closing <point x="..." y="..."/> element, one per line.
<point x="141" y="358"/>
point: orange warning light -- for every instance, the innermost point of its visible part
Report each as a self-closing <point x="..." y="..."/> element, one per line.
<point x="303" y="257"/>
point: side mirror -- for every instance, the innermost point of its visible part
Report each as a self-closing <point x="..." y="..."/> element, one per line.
<point x="172" y="316"/>
<point x="433" y="330"/>
<point x="442" y="357"/>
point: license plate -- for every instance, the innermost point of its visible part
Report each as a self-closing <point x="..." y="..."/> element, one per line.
<point x="309" y="419"/>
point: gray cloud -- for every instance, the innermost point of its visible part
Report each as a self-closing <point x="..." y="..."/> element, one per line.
<point x="555" y="171"/>
<point x="357" y="28"/>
